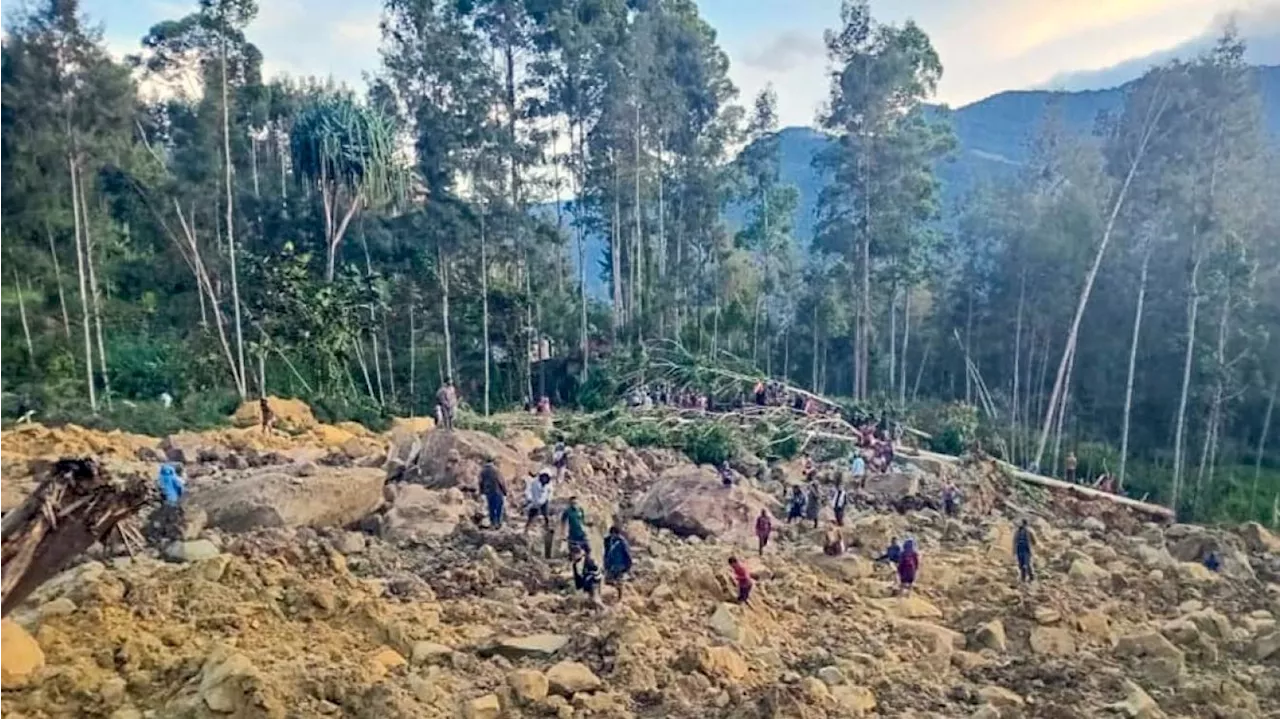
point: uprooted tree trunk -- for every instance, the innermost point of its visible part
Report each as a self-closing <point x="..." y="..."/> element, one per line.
<point x="78" y="503"/>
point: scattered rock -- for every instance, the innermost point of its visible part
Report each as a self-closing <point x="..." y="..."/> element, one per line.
<point x="1000" y="697"/>
<point x="990" y="636"/>
<point x="529" y="685"/>
<point x="725" y="623"/>
<point x="1260" y="539"/>
<point x="1159" y="661"/>
<point x="1046" y="615"/>
<point x="1052" y="641"/>
<point x="1084" y="571"/>
<point x="230" y="684"/>
<point x="485" y="707"/>
<point x="350" y="543"/>
<point x="1137" y="703"/>
<point x="831" y="676"/>
<point x="1093" y="524"/>
<point x="22" y="656"/>
<point x="192" y="551"/>
<point x="568" y="678"/>
<point x="721" y="663"/>
<point x="386" y="660"/>
<point x="535" y="645"/>
<point x="429" y="653"/>
<point x="857" y="700"/>
<point x="1264" y="647"/>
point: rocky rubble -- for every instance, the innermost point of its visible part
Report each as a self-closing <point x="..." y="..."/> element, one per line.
<point x="427" y="614"/>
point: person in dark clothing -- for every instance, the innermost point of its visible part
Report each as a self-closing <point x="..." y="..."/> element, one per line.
<point x="764" y="528"/>
<point x="268" y="417"/>
<point x="1023" y="542"/>
<point x="587" y="579"/>
<point x="1212" y="562"/>
<point x="447" y="403"/>
<point x="892" y="553"/>
<point x="742" y="579"/>
<point x="795" y="506"/>
<point x="617" y="559"/>
<point x="951" y="499"/>
<point x="726" y="474"/>
<point x="839" y="500"/>
<point x="494" y="490"/>
<point x="813" y="504"/>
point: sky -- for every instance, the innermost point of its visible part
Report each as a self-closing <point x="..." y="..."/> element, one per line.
<point x="986" y="46"/>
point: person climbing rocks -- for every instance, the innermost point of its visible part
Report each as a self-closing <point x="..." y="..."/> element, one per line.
<point x="1069" y="464"/>
<point x="1212" y="562"/>
<point x="950" y="499"/>
<point x="587" y="579"/>
<point x="1023" y="542"/>
<point x="172" y="488"/>
<point x="795" y="505"/>
<point x="726" y="474"/>
<point x="617" y="558"/>
<point x="560" y="458"/>
<point x="268" y="417"/>
<point x="576" y="521"/>
<point x="537" y="499"/>
<point x="813" y="504"/>
<point x="764" y="529"/>
<point x="892" y="553"/>
<point x="908" y="565"/>
<point x="760" y="393"/>
<point x="447" y="403"/>
<point x="494" y="490"/>
<point x="833" y="541"/>
<point x="839" y="500"/>
<point x="742" y="579"/>
<point x="858" y="468"/>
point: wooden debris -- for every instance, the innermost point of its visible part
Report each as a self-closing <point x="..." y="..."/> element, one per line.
<point x="76" y="504"/>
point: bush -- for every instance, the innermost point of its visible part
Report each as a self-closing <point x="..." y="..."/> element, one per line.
<point x="362" y="410"/>
<point x="953" y="427"/>
<point x="709" y="443"/>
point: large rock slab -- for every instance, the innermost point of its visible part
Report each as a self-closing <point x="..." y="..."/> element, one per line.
<point x="331" y="496"/>
<point x="569" y="678"/>
<point x="538" y="646"/>
<point x="691" y="501"/>
<point x="441" y="459"/>
<point x="415" y="512"/>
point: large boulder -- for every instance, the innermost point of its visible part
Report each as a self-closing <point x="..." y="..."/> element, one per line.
<point x="415" y="512"/>
<point x="691" y="501"/>
<point x="192" y="447"/>
<point x="22" y="656"/>
<point x="330" y="496"/>
<point x="1259" y="539"/>
<point x="441" y="459"/>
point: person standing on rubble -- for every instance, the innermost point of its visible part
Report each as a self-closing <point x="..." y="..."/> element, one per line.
<point x="537" y="500"/>
<point x="1069" y="465"/>
<point x="858" y="468"/>
<point x="795" y="505"/>
<point x="617" y="559"/>
<point x="908" y="565"/>
<point x="813" y="504"/>
<point x="447" y="403"/>
<point x="742" y="579"/>
<point x="494" y="490"/>
<point x="764" y="529"/>
<point x="587" y="579"/>
<point x="560" y="458"/>
<point x="1023" y="542"/>
<point x="839" y="500"/>
<point x="575" y="520"/>
<point x="950" y="499"/>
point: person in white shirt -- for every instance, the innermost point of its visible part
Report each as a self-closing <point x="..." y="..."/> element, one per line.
<point x="537" y="499"/>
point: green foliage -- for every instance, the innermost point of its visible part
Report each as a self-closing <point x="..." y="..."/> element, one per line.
<point x="479" y="423"/>
<point x="359" y="409"/>
<point x="953" y="427"/>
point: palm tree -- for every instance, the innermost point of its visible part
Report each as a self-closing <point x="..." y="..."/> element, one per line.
<point x="348" y="151"/>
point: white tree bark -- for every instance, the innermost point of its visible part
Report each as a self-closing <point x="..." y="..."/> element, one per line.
<point x="84" y="285"/>
<point x="1133" y="362"/>
<point x="57" y="276"/>
<point x="484" y="303"/>
<point x="22" y="314"/>
<point x="95" y="294"/>
<point x="1262" y="443"/>
<point x="1193" y="307"/>
<point x="231" y="235"/>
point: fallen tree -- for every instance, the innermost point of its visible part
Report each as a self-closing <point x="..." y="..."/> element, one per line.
<point x="77" y="504"/>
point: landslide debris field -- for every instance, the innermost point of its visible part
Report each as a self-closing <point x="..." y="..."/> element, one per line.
<point x="308" y="585"/>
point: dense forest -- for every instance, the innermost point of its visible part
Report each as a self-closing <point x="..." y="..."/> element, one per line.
<point x="175" y="224"/>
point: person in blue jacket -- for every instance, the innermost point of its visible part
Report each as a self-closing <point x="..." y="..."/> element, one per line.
<point x="172" y="488"/>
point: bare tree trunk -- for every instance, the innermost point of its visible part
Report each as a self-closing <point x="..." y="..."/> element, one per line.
<point x="22" y="314"/>
<point x="906" y="338"/>
<point x="1062" y="412"/>
<point x="1208" y="450"/>
<point x="484" y="304"/>
<point x="1262" y="443"/>
<point x="62" y="296"/>
<point x="1193" y="307"/>
<point x="413" y="356"/>
<point x="893" y="341"/>
<point x="1133" y="363"/>
<point x="364" y="366"/>
<point x="924" y="360"/>
<point x="84" y="287"/>
<point x="615" y="254"/>
<point x="1017" y="368"/>
<point x="814" y="382"/>
<point x="582" y="264"/>
<point x="231" y="235"/>
<point x="637" y="259"/>
<point x="755" y="330"/>
<point x="968" y="337"/>
<point x="94" y="293"/>
<point x="373" y="322"/>
<point x="444" y="310"/>
<point x="205" y="285"/>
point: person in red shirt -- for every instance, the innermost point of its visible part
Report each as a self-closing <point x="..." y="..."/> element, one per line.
<point x="764" y="528"/>
<point x="908" y="565"/>
<point x="742" y="578"/>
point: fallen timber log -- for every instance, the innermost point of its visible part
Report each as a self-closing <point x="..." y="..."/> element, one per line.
<point x="77" y="504"/>
<point x="1155" y="510"/>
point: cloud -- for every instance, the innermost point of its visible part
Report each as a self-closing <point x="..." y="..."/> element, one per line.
<point x="785" y="51"/>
